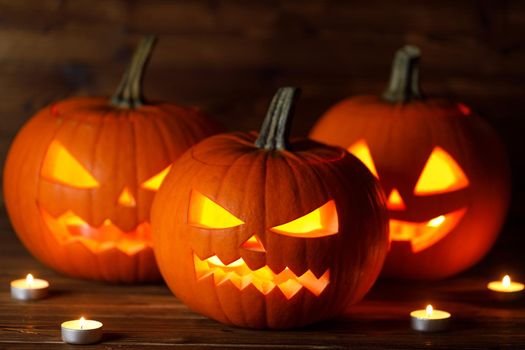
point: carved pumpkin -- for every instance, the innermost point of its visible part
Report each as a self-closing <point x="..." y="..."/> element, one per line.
<point x="442" y="168"/>
<point x="255" y="231"/>
<point x="81" y="175"/>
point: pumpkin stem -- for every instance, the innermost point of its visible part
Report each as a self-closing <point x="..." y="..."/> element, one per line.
<point x="404" y="77"/>
<point x="276" y="125"/>
<point x="129" y="91"/>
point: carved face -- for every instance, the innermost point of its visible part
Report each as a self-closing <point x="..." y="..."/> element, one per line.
<point x="261" y="239"/>
<point x="440" y="174"/>
<point x="66" y="182"/>
<point x="205" y="214"/>
<point x="81" y="178"/>
<point x="443" y="171"/>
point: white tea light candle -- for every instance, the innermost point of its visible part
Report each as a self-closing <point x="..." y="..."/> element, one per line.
<point x="429" y="320"/>
<point x="506" y="289"/>
<point x="81" y="331"/>
<point x="29" y="288"/>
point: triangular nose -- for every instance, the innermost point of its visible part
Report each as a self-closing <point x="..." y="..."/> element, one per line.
<point x="395" y="202"/>
<point x="253" y="243"/>
<point x="126" y="198"/>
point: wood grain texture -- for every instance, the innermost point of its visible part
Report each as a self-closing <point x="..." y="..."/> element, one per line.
<point x="230" y="56"/>
<point x="149" y="317"/>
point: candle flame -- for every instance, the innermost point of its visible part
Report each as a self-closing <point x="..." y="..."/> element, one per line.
<point x="429" y="310"/>
<point x="506" y="281"/>
<point x="82" y="322"/>
<point x="435" y="222"/>
<point x="29" y="279"/>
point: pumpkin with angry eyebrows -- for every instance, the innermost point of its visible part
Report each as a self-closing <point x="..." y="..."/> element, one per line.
<point x="259" y="232"/>
<point x="81" y="175"/>
<point x="444" y="172"/>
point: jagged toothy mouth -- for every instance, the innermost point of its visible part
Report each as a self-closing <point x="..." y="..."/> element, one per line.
<point x="263" y="279"/>
<point x="70" y="228"/>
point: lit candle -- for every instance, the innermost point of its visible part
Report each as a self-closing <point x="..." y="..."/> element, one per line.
<point x="29" y="288"/>
<point x="81" y="331"/>
<point x="429" y="320"/>
<point x="506" y="289"/>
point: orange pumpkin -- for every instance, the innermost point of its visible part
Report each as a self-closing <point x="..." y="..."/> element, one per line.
<point x="443" y="169"/>
<point x="81" y="175"/>
<point x="256" y="231"/>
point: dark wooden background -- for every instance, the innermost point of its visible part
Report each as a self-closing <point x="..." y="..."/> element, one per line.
<point x="229" y="56"/>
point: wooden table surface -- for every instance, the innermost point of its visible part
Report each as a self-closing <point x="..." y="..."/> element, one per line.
<point x="149" y="317"/>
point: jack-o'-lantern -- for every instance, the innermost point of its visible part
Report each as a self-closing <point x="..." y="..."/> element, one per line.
<point x="442" y="168"/>
<point x="256" y="231"/>
<point x="81" y="175"/>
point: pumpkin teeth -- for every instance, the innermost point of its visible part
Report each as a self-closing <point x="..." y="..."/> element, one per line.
<point x="70" y="228"/>
<point x="263" y="279"/>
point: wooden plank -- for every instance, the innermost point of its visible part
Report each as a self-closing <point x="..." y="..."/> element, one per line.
<point x="149" y="317"/>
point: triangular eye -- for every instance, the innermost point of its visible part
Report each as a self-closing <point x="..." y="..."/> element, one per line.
<point x="441" y="174"/>
<point x="360" y="150"/>
<point x="323" y="221"/>
<point x="60" y="166"/>
<point x="154" y="182"/>
<point x="205" y="213"/>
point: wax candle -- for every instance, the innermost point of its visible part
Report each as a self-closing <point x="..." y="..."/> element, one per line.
<point x="429" y="320"/>
<point x="29" y="288"/>
<point x="506" y="289"/>
<point x="81" y="331"/>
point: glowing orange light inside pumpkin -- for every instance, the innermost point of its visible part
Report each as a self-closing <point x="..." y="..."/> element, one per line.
<point x="264" y="279"/>
<point x="422" y="235"/>
<point x="154" y="182"/>
<point x="441" y="174"/>
<point x="69" y="228"/>
<point x="395" y="202"/>
<point x="323" y="221"/>
<point x="253" y="243"/>
<point x="205" y="213"/>
<point x="360" y="150"/>
<point x="126" y="198"/>
<point x="59" y="165"/>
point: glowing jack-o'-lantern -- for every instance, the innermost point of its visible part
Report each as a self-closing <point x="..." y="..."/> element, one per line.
<point x="442" y="168"/>
<point x="81" y="176"/>
<point x="258" y="232"/>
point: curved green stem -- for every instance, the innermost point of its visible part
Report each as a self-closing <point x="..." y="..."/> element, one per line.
<point x="129" y="91"/>
<point x="275" y="129"/>
<point x="404" y="77"/>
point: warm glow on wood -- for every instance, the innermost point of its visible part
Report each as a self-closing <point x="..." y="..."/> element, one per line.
<point x="360" y="150"/>
<point x="126" y="198"/>
<point x="205" y="213"/>
<point x="264" y="279"/>
<point x="395" y="202"/>
<point x="154" y="182"/>
<point x="323" y="221"/>
<point x="59" y="165"/>
<point x="441" y="174"/>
